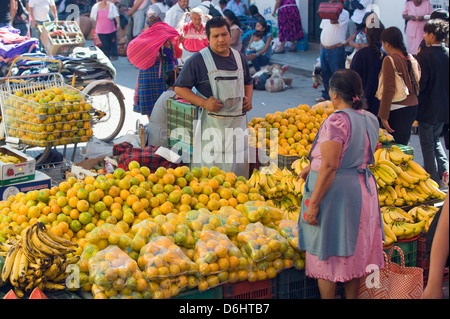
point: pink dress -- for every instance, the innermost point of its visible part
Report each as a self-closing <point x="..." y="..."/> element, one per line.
<point x="369" y="245"/>
<point x="193" y="40"/>
<point x="104" y="24"/>
<point x="414" y="29"/>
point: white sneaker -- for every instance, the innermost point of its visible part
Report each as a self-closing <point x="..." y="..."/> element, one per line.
<point x="444" y="180"/>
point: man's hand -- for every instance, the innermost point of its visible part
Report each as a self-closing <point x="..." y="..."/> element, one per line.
<point x="246" y="104"/>
<point x="212" y="104"/>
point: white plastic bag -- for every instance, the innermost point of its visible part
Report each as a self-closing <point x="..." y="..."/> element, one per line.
<point x="96" y="148"/>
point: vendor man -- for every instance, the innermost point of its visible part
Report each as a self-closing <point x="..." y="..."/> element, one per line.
<point x="217" y="79"/>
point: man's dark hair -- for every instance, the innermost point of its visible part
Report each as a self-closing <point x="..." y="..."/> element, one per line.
<point x="216" y="22"/>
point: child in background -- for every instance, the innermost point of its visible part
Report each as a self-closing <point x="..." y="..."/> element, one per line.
<point x="257" y="42"/>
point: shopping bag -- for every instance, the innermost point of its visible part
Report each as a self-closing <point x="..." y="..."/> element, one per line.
<point x="393" y="282"/>
<point x="96" y="39"/>
<point x="330" y="11"/>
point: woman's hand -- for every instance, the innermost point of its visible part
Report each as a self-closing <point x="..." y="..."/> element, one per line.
<point x="386" y="126"/>
<point x="311" y="215"/>
<point x="304" y="173"/>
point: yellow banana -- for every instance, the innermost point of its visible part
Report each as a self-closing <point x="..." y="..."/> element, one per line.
<point x="394" y="157"/>
<point x="9" y="262"/>
<point x="376" y="155"/>
<point x="410" y="179"/>
<point x="385" y="176"/>
<point x="387" y="169"/>
<point x="435" y="191"/>
<point x="405" y="195"/>
<point x="14" y="276"/>
<point x="387" y="218"/>
<point x="404" y="215"/>
<point x="270" y="182"/>
<point x="382" y="155"/>
<point x="389" y="233"/>
<point x="424" y="187"/>
<point x="394" y="167"/>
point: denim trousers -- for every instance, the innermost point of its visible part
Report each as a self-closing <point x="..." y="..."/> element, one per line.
<point x="434" y="157"/>
<point x="331" y="60"/>
<point x="260" y="61"/>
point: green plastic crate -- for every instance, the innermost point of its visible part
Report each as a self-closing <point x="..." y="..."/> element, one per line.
<point x="294" y="284"/>
<point x="180" y="117"/>
<point x="212" y="293"/>
<point x="405" y="148"/>
<point x="409" y="249"/>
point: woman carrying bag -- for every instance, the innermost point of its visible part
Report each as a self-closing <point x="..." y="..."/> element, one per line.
<point x="398" y="87"/>
<point x="154" y="52"/>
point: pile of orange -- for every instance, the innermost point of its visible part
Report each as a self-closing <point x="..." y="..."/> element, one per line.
<point x="290" y="132"/>
<point x="52" y="116"/>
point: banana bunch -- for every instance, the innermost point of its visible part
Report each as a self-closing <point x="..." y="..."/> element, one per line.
<point x="37" y="258"/>
<point x="299" y="164"/>
<point x="423" y="213"/>
<point x="399" y="225"/>
<point x="289" y="205"/>
<point x="10" y="159"/>
<point x="385" y="173"/>
<point x="384" y="136"/>
<point x="393" y="154"/>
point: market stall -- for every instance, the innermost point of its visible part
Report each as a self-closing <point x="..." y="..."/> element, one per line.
<point x="194" y="232"/>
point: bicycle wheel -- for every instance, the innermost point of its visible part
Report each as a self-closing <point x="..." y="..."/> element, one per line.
<point x="42" y="157"/>
<point x="109" y="113"/>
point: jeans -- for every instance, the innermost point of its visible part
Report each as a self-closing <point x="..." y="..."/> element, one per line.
<point x="4" y="24"/>
<point x="107" y="42"/>
<point x="434" y="157"/>
<point x="35" y="33"/>
<point x="401" y="121"/>
<point x="260" y="61"/>
<point x="331" y="60"/>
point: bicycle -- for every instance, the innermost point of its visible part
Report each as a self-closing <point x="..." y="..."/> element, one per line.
<point x="107" y="112"/>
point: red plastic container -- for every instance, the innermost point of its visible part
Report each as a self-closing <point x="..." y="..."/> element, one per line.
<point x="262" y="289"/>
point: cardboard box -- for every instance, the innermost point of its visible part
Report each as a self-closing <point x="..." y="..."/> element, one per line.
<point x="16" y="173"/>
<point x="40" y="181"/>
<point x="82" y="169"/>
<point x="53" y="41"/>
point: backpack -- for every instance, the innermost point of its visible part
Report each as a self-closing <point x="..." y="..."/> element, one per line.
<point x="213" y="11"/>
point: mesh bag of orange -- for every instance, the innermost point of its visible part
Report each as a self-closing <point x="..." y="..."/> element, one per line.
<point x="167" y="268"/>
<point x="115" y="275"/>
<point x="218" y="259"/>
<point x="260" y="211"/>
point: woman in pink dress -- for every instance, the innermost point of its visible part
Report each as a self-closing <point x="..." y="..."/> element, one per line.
<point x="340" y="225"/>
<point x="415" y="15"/>
<point x="104" y="13"/>
<point x="193" y="36"/>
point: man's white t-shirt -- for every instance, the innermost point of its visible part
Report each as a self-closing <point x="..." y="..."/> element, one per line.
<point x="358" y="14"/>
<point x="41" y="9"/>
<point x="333" y="34"/>
<point x="174" y="15"/>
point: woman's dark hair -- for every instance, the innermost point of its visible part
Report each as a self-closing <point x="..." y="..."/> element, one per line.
<point x="216" y="22"/>
<point x="232" y="17"/>
<point x="394" y="37"/>
<point x="253" y="9"/>
<point x="264" y="24"/>
<point x="347" y="83"/>
<point x="437" y="27"/>
<point x="373" y="36"/>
